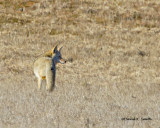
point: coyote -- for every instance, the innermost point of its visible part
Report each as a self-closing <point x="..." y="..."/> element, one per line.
<point x="45" y="68"/>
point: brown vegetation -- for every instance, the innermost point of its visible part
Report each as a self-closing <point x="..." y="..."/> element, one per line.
<point x="112" y="72"/>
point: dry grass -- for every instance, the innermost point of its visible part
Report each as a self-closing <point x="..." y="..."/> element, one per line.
<point x="113" y="72"/>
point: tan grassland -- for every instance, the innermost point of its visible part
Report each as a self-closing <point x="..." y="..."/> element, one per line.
<point x="113" y="68"/>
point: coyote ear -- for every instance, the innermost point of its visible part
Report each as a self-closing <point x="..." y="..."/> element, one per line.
<point x="55" y="49"/>
<point x="60" y="49"/>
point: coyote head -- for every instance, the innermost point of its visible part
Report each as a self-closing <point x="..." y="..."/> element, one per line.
<point x="58" y="57"/>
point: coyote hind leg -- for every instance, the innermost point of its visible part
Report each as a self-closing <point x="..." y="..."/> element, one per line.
<point x="39" y="83"/>
<point x="50" y="78"/>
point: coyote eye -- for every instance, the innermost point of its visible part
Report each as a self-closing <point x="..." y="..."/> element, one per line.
<point x="60" y="57"/>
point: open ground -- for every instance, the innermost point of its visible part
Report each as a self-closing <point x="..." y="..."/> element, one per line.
<point x="113" y="68"/>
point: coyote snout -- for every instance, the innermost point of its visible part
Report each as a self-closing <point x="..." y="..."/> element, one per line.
<point x="45" y="68"/>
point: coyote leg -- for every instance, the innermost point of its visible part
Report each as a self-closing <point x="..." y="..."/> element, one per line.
<point x="50" y="78"/>
<point x="39" y="83"/>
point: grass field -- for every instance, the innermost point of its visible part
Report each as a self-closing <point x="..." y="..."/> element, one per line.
<point x="112" y="73"/>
